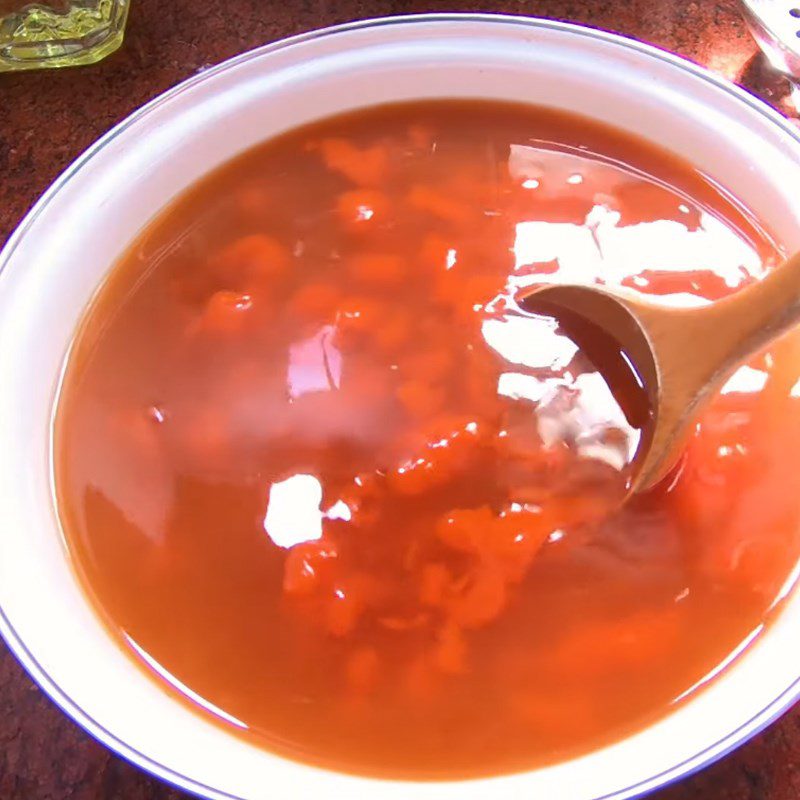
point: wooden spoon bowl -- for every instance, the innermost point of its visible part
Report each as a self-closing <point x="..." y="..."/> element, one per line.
<point x="677" y="357"/>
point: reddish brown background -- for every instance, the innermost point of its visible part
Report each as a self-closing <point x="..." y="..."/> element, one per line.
<point x="48" y="118"/>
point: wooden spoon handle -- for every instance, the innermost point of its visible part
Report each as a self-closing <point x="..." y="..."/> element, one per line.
<point x="697" y="349"/>
<point x="754" y="316"/>
<point x="744" y="323"/>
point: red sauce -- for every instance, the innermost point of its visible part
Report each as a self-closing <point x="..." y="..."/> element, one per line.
<point x="316" y="465"/>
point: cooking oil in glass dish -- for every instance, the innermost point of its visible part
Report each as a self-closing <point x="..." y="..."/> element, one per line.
<point x="59" y="33"/>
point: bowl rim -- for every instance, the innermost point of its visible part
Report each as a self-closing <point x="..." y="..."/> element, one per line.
<point x="16" y="645"/>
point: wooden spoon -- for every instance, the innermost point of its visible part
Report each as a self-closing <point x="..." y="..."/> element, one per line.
<point x="678" y="356"/>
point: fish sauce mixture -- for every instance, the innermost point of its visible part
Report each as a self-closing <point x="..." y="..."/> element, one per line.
<point x="328" y="481"/>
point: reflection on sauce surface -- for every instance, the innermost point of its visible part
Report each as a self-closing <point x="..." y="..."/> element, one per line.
<point x="326" y="479"/>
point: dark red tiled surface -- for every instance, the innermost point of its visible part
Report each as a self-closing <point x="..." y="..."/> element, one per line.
<point x="48" y="118"/>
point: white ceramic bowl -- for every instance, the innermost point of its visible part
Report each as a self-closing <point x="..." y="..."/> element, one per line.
<point x="64" y="248"/>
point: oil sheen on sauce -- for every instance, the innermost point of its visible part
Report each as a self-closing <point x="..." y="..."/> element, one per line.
<point x="326" y="480"/>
